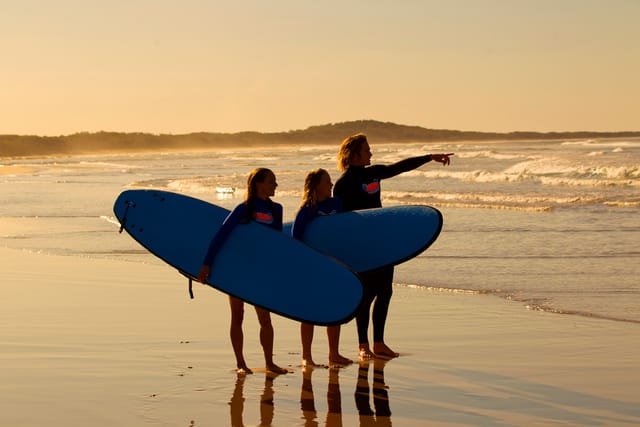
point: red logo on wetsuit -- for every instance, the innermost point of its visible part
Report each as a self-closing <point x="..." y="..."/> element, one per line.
<point x="264" y="218"/>
<point x="372" y="188"/>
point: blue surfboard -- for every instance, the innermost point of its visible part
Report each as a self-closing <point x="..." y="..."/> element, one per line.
<point x="290" y="279"/>
<point x="374" y="238"/>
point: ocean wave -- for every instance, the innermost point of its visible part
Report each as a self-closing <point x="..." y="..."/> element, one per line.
<point x="476" y="176"/>
<point x="623" y="203"/>
<point x="74" y="164"/>
<point x="571" y="177"/>
<point x="534" y="304"/>
<point x="189" y="185"/>
<point x="587" y="182"/>
<point x="508" y="201"/>
<point x="546" y="172"/>
<point x="490" y="154"/>
<point x="104" y="165"/>
<point x="495" y="207"/>
<point x="442" y="289"/>
<point x="493" y="198"/>
<point x="604" y="143"/>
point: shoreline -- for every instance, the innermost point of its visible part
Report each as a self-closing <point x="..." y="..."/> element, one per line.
<point x="120" y="343"/>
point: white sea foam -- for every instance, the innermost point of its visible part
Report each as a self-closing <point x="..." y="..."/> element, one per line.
<point x="487" y="154"/>
<point x="110" y="219"/>
<point x="493" y="199"/>
<point x="604" y="143"/>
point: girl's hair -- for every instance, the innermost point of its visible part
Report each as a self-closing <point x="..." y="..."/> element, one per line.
<point x="310" y="184"/>
<point x="348" y="148"/>
<point x="257" y="175"/>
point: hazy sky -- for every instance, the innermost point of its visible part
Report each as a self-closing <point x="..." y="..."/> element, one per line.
<point x="185" y="66"/>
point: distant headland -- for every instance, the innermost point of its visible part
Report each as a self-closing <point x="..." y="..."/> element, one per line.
<point x="15" y="146"/>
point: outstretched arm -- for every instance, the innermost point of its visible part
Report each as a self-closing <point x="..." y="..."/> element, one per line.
<point x="389" y="171"/>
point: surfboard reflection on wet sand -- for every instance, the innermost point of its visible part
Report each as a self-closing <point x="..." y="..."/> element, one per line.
<point x="378" y="415"/>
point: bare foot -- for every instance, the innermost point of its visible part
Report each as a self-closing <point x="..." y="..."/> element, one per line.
<point x="307" y="361"/>
<point x="244" y="370"/>
<point x="382" y="350"/>
<point x="338" y="359"/>
<point x="365" y="353"/>
<point x="277" y="369"/>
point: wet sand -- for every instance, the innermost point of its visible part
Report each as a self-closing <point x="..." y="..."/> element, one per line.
<point x="114" y="343"/>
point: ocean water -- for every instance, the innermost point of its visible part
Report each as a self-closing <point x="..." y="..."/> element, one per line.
<point x="552" y="225"/>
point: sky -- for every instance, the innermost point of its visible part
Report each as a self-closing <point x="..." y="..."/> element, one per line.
<point x="160" y="66"/>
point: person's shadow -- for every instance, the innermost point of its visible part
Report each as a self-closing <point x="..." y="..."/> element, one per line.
<point x="334" y="400"/>
<point x="382" y="414"/>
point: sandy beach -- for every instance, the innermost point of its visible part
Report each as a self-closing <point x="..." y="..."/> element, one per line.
<point x="116" y="343"/>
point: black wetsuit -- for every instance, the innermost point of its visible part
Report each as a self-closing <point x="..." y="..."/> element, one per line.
<point x="359" y="188"/>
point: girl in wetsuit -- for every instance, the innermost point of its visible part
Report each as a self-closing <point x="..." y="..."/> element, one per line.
<point x="317" y="201"/>
<point x="259" y="207"/>
<point x="359" y="188"/>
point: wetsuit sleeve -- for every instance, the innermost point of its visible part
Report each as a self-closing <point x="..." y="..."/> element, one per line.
<point x="406" y="165"/>
<point x="233" y="219"/>
<point x="278" y="212"/>
<point x="303" y="217"/>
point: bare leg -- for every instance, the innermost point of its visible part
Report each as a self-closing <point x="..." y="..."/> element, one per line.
<point x="335" y="358"/>
<point x="266" y="340"/>
<point x="368" y="280"/>
<point x="235" y="331"/>
<point x="306" y="336"/>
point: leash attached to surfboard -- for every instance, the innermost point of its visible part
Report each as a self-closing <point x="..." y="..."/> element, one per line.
<point x="190" y="277"/>
<point x="124" y="216"/>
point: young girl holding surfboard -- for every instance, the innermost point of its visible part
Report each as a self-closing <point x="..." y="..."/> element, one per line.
<point x="259" y="207"/>
<point x="359" y="188"/>
<point x="317" y="201"/>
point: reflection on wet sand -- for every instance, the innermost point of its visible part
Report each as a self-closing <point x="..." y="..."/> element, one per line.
<point x="334" y="400"/>
<point x="379" y="415"/>
<point x="382" y="414"/>
<point x="266" y="401"/>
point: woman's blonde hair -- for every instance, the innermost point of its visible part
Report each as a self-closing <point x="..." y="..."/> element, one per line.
<point x="311" y="182"/>
<point x="348" y="148"/>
